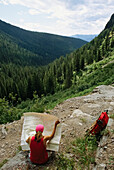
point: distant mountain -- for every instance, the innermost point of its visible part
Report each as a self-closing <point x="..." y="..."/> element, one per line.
<point x="33" y="48"/>
<point x="85" y="37"/>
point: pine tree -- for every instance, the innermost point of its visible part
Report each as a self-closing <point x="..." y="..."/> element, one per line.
<point x="68" y="80"/>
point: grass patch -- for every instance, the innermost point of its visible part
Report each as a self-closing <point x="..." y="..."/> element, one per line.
<point x="19" y="148"/>
<point x="61" y="96"/>
<point x="3" y="162"/>
<point x="85" y="149"/>
<point x="112" y="116"/>
<point x="111" y="161"/>
<point x="83" y="120"/>
<point x="112" y="131"/>
<point x="105" y="132"/>
<point x="47" y="103"/>
<point x="64" y="163"/>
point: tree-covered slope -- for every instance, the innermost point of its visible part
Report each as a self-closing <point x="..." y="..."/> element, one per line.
<point x="110" y="22"/>
<point x="62" y="73"/>
<point x="77" y="73"/>
<point x="10" y="51"/>
<point x="36" y="48"/>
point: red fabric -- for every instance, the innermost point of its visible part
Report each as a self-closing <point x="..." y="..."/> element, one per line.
<point x="38" y="153"/>
<point x="100" y="126"/>
<point x="104" y="117"/>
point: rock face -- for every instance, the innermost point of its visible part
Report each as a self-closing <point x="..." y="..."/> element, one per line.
<point x="76" y="115"/>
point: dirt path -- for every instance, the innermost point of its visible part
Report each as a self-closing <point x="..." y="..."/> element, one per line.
<point x="76" y="115"/>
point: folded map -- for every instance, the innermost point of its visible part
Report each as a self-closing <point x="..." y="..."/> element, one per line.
<point x="31" y="120"/>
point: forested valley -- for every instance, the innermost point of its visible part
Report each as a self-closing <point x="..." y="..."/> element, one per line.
<point x="31" y="87"/>
<point x="28" y="48"/>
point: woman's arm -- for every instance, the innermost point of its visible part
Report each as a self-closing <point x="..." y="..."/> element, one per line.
<point x="46" y="138"/>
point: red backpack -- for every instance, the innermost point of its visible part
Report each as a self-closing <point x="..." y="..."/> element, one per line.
<point x="100" y="123"/>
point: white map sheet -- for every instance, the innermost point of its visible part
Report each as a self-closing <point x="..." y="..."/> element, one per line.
<point x="31" y="120"/>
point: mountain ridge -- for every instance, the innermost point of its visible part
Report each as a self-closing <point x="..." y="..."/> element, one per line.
<point x="47" y="46"/>
<point x="110" y="22"/>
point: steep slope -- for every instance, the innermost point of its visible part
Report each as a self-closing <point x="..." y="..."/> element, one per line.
<point x="45" y="46"/>
<point x="110" y="22"/>
<point x="10" y="51"/>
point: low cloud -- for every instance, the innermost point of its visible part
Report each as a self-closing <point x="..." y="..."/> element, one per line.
<point x="33" y="12"/>
<point x="3" y="2"/>
<point x="67" y="17"/>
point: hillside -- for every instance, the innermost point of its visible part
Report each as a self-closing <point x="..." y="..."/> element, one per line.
<point x="110" y="22"/>
<point x="61" y="74"/>
<point x="33" y="48"/>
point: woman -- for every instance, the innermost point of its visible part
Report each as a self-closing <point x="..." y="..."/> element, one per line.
<point x="37" y="143"/>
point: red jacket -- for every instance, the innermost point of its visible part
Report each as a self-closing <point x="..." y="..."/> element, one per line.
<point x="38" y="153"/>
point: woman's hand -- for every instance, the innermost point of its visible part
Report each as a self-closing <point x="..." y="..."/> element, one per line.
<point x="57" y="122"/>
<point x="46" y="138"/>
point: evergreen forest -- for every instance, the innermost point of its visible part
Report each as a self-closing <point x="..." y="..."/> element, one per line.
<point x="34" y="87"/>
<point x="30" y="48"/>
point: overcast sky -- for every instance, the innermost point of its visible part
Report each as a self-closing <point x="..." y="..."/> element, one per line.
<point x="63" y="17"/>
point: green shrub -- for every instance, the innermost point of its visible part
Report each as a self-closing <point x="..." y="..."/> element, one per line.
<point x="112" y="116"/>
<point x="19" y="148"/>
<point x="3" y="162"/>
<point x="63" y="163"/>
<point x="85" y="149"/>
<point x="37" y="108"/>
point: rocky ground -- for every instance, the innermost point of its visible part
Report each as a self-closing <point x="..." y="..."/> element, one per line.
<point x="76" y="115"/>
